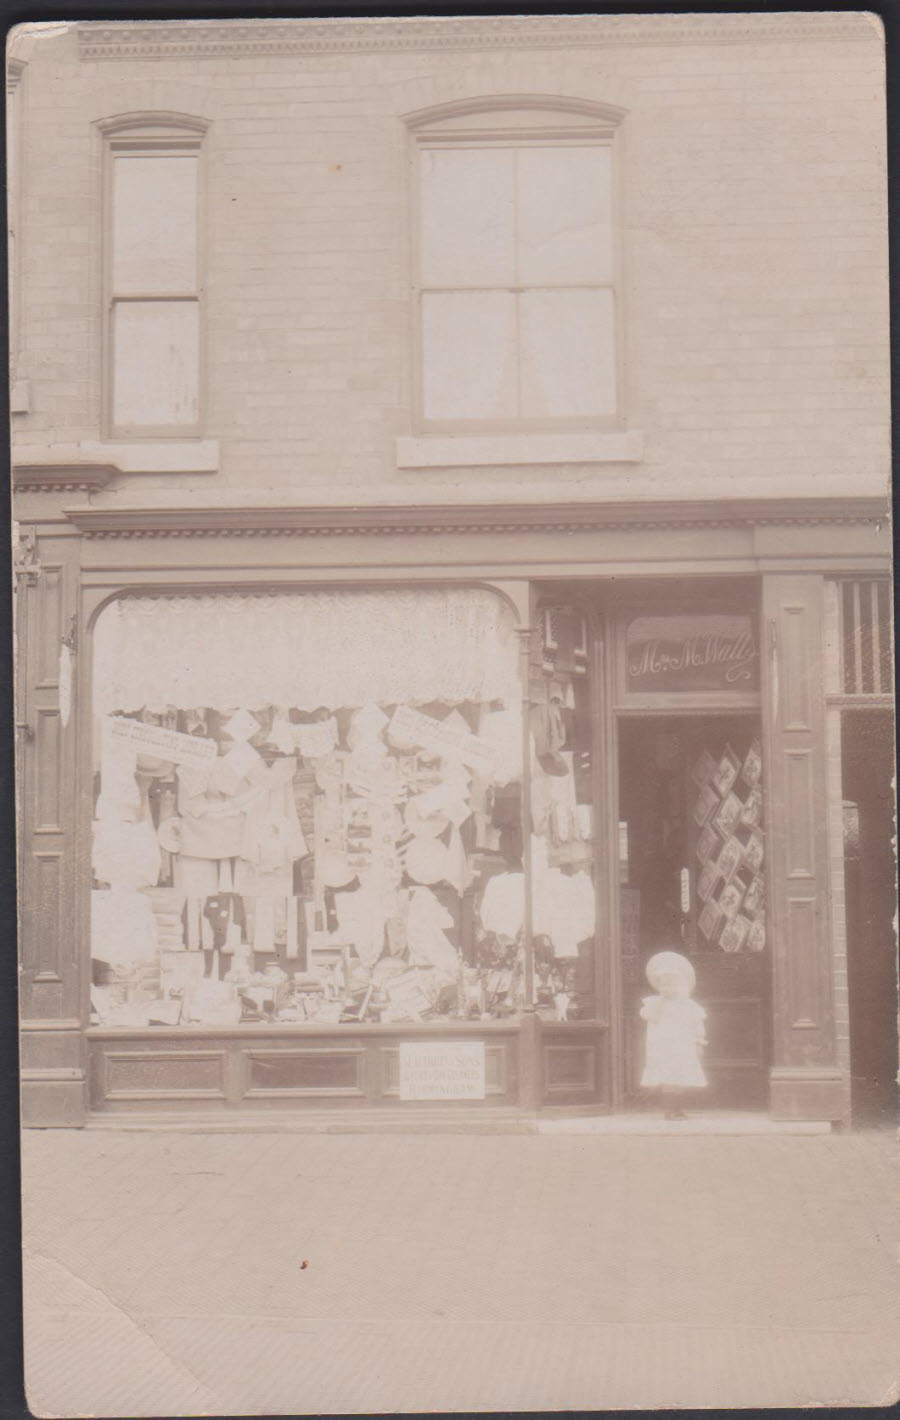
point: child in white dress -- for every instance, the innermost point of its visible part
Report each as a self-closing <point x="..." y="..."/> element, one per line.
<point x="675" y="1031"/>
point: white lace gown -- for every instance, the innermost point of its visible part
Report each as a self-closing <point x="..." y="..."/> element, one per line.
<point x="675" y="1033"/>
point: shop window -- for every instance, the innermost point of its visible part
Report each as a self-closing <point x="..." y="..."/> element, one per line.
<point x="515" y="278"/>
<point x="563" y="859"/>
<point x="153" y="276"/>
<point x="308" y="808"/>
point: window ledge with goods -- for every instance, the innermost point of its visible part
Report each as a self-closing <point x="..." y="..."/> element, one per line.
<point x="484" y="450"/>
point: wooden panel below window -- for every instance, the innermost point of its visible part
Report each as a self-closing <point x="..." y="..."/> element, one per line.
<point x="570" y="1069"/>
<point x="162" y="1075"/>
<point x="314" y="1071"/>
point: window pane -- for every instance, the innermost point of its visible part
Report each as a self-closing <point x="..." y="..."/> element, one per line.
<point x="467" y="217"/>
<point x="565" y="214"/>
<point x="468" y="343"/>
<point x="155" y="376"/>
<point x="568" y="353"/>
<point x="154" y="223"/>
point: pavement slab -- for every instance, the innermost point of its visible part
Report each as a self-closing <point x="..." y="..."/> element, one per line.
<point x="164" y="1272"/>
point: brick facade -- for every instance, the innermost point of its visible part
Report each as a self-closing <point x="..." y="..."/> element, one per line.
<point x="754" y="243"/>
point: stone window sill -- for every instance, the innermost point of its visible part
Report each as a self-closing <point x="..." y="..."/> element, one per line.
<point x="157" y="455"/>
<point x="132" y="456"/>
<point x="484" y="450"/>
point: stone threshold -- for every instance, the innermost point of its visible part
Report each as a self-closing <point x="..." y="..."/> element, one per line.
<point x="463" y="1121"/>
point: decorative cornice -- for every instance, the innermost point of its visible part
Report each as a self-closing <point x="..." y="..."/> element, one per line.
<point x="166" y="39"/>
<point x="62" y="478"/>
<point x="493" y="519"/>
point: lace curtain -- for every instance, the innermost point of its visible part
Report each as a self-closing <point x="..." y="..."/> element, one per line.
<point x="305" y="650"/>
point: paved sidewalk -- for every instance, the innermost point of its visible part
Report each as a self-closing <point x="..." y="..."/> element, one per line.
<point x="468" y="1272"/>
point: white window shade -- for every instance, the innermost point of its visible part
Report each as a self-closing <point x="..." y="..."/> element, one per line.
<point x="155" y="375"/>
<point x="564" y="202"/>
<point x="152" y="281"/>
<point x="567" y="353"/>
<point x="469" y="340"/>
<point x="467" y="230"/>
<point x="305" y="650"/>
<point x="154" y="224"/>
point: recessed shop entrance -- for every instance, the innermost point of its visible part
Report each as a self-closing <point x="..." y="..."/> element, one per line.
<point x="691" y="866"/>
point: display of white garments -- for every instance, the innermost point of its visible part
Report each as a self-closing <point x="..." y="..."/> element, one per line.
<point x="360" y="918"/>
<point x="675" y="1033"/>
<point x="123" y="928"/>
<point x="502" y="732"/>
<point x="458" y="874"/>
<point x="208" y="829"/>
<point x="292" y="947"/>
<point x="119" y="792"/>
<point x="228" y="773"/>
<point x="366" y="727"/>
<point x="251" y="881"/>
<point x="426" y="939"/>
<point x="264" y="925"/>
<point x="272" y="835"/>
<point x="281" y="734"/>
<point x="125" y="855"/>
<point x="316" y="740"/>
<point x="503" y="904"/>
<point x="195" y="877"/>
<point x="554" y="809"/>
<point x="564" y="824"/>
<point x="563" y="905"/>
<point x="563" y="910"/>
<point x="241" y="725"/>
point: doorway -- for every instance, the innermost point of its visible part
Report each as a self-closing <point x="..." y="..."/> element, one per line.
<point x="691" y="872"/>
<point x="867" y="759"/>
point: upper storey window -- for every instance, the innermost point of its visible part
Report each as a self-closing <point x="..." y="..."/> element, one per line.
<point x="516" y="261"/>
<point x="153" y="277"/>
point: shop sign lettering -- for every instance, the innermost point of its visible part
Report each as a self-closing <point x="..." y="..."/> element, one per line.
<point x="442" y="1070"/>
<point x="159" y="742"/>
<point x="705" y="652"/>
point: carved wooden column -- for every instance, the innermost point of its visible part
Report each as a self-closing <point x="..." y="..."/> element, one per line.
<point x="53" y="955"/>
<point x="805" y="1082"/>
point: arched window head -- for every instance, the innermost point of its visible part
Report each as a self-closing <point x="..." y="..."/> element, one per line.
<point x="516" y="259"/>
<point x="152" y="274"/>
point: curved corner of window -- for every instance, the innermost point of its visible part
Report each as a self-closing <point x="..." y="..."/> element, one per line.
<point x="486" y="450"/>
<point x="158" y="455"/>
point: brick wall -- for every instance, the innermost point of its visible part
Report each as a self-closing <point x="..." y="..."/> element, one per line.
<point x="755" y="242"/>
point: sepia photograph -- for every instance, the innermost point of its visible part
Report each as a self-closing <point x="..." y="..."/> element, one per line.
<point x="454" y="715"/>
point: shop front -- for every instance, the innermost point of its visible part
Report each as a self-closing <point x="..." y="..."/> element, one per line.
<point x="409" y="843"/>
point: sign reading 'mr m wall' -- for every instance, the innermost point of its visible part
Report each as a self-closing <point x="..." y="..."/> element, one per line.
<point x="704" y="652"/>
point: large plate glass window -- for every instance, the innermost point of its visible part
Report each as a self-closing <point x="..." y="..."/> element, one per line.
<point x="308" y="807"/>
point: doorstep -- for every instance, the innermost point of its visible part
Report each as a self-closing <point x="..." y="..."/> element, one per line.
<point x="446" y="1121"/>
<point x="739" y="1124"/>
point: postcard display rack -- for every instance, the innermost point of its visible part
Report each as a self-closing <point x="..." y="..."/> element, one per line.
<point x="730" y="850"/>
